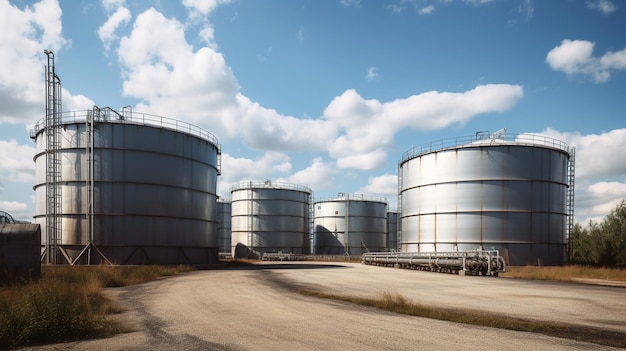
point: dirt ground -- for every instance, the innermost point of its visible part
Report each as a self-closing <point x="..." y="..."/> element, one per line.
<point x="251" y="308"/>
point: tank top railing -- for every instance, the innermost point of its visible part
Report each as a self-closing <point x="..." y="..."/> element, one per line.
<point x="485" y="139"/>
<point x="130" y="117"/>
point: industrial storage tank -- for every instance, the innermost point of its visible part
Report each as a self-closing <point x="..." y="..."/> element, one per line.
<point x="350" y="224"/>
<point x="270" y="217"/>
<point x="224" y="214"/>
<point x="512" y="193"/>
<point x="134" y="189"/>
<point x="392" y="230"/>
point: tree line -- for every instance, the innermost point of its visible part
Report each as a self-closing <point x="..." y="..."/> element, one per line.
<point x="601" y="244"/>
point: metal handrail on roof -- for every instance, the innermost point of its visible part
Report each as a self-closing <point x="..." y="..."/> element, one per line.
<point x="270" y="185"/>
<point x="485" y="139"/>
<point x="130" y="117"/>
<point x="352" y="197"/>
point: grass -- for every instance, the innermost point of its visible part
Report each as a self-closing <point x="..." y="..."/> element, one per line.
<point x="566" y="273"/>
<point x="67" y="303"/>
<point x="399" y="304"/>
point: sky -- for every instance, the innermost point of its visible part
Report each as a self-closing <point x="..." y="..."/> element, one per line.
<point x="327" y="94"/>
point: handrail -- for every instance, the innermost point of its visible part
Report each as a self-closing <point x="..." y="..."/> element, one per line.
<point x="354" y="197"/>
<point x="130" y="117"/>
<point x="270" y="185"/>
<point x="483" y="139"/>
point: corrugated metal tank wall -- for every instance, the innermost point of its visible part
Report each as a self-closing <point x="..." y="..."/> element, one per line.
<point x="392" y="230"/>
<point x="505" y="195"/>
<point x="154" y="190"/>
<point x="270" y="217"/>
<point x="224" y="214"/>
<point x="350" y="224"/>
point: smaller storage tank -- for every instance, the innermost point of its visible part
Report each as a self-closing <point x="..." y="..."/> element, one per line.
<point x="392" y="230"/>
<point x="224" y="214"/>
<point x="270" y="217"/>
<point x="20" y="250"/>
<point x="350" y="225"/>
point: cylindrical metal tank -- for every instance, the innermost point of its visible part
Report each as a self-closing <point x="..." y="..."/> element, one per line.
<point x="153" y="189"/>
<point x="270" y="217"/>
<point x="392" y="230"/>
<point x="350" y="225"/>
<point x="501" y="191"/>
<point x="224" y="214"/>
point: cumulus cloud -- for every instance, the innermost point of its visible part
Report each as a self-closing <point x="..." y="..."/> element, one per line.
<point x="604" y="6"/>
<point x="576" y="57"/>
<point x="32" y="29"/>
<point x="196" y="85"/>
<point x="319" y="175"/>
<point x="426" y="10"/>
<point x="202" y="7"/>
<point x="592" y="152"/>
<point x="17" y="210"/>
<point x="384" y="185"/>
<point x="106" y="32"/>
<point x="235" y="170"/>
<point x="367" y="127"/>
<point x="16" y="161"/>
<point x="600" y="182"/>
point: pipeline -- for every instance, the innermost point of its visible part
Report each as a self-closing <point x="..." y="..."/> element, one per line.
<point x="478" y="262"/>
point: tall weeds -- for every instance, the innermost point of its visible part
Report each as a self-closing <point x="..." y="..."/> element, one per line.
<point x="67" y="303"/>
<point x="567" y="273"/>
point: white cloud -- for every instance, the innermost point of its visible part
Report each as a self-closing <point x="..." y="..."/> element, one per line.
<point x="202" y="7"/>
<point x="32" y="30"/>
<point x="17" y="210"/>
<point x="106" y="32"/>
<point x="600" y="171"/>
<point x="367" y="127"/>
<point x="371" y="73"/>
<point x="235" y="170"/>
<point x="576" y="57"/>
<point x="595" y="154"/>
<point x="319" y="175"/>
<point x="604" y="6"/>
<point x="198" y="86"/>
<point x="427" y="10"/>
<point x="385" y="185"/>
<point x="111" y="5"/>
<point x="16" y="162"/>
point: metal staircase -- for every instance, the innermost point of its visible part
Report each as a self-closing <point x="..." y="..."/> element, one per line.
<point x="569" y="206"/>
<point x="53" y="162"/>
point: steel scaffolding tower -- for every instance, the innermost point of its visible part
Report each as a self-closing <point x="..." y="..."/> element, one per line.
<point x="53" y="161"/>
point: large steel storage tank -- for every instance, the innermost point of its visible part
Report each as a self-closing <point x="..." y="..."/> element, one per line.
<point x="350" y="225"/>
<point x="270" y="217"/>
<point x="500" y="191"/>
<point x="136" y="189"/>
<point x="224" y="214"/>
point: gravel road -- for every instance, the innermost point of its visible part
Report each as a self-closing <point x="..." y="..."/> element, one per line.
<point x="246" y="309"/>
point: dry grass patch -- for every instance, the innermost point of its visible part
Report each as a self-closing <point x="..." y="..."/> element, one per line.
<point x="399" y="304"/>
<point x="67" y="303"/>
<point x="566" y="273"/>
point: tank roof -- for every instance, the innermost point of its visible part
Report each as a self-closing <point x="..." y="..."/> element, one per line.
<point x="480" y="139"/>
<point x="269" y="185"/>
<point x="352" y="197"/>
<point x="127" y="116"/>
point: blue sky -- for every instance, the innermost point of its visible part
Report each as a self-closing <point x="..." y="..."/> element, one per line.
<point x="328" y="94"/>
